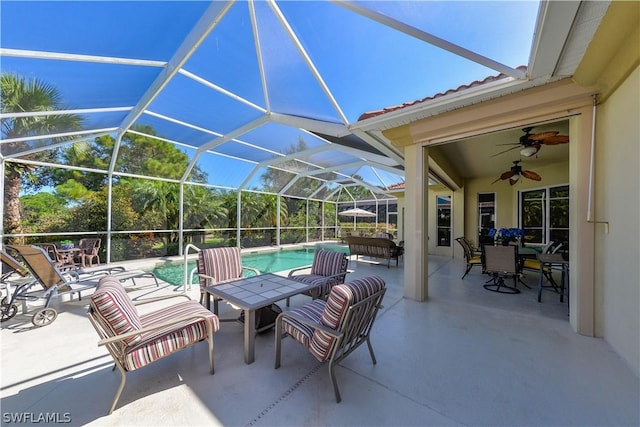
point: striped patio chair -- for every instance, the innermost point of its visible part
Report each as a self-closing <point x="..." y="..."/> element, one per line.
<point x="329" y="268"/>
<point x="135" y="340"/>
<point x="216" y="266"/>
<point x="330" y="330"/>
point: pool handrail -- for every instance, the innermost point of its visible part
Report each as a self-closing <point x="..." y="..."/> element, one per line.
<point x="184" y="279"/>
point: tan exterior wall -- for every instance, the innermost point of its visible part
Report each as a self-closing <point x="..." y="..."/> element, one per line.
<point x="605" y="261"/>
<point x="506" y="196"/>
<point x="617" y="200"/>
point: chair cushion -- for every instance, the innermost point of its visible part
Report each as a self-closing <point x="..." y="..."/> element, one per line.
<point x="112" y="304"/>
<point x="328" y="263"/>
<point x="223" y="264"/>
<point x="475" y="260"/>
<point x="303" y="333"/>
<point x="323" y="284"/>
<point x="156" y="344"/>
<point x="340" y="299"/>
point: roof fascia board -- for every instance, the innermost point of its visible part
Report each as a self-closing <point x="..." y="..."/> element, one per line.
<point x="553" y="26"/>
<point x="548" y="102"/>
<point x="307" y="59"/>
<point x="431" y="39"/>
<point x="446" y="103"/>
<point x="200" y="31"/>
<point x="59" y="56"/>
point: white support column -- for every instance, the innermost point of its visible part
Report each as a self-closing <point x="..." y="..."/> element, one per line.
<point x="416" y="208"/>
<point x="581" y="232"/>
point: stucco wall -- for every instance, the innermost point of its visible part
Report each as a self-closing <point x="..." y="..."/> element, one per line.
<point x="507" y="195"/>
<point x="617" y="197"/>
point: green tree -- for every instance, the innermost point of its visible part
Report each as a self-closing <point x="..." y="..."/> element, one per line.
<point x="19" y="95"/>
<point x="43" y="210"/>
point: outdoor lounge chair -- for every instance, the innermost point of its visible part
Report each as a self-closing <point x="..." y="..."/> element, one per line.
<point x="136" y="340"/>
<point x="54" y="282"/>
<point x="10" y="267"/>
<point x="216" y="266"/>
<point x="330" y="330"/>
<point x="329" y="268"/>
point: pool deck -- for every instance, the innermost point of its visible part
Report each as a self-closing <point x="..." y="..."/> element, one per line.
<point x="464" y="357"/>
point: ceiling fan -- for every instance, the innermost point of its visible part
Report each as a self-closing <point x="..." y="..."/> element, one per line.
<point x="514" y="174"/>
<point x="531" y="143"/>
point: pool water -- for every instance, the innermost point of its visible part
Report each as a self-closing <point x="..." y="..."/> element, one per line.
<point x="268" y="262"/>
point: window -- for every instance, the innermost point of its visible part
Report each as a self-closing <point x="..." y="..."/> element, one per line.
<point x="486" y="214"/>
<point x="544" y="214"/>
<point x="443" y="204"/>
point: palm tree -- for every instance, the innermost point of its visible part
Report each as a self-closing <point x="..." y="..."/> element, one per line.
<point x="19" y="95"/>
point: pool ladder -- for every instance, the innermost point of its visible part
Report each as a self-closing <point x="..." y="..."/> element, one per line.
<point x="187" y="284"/>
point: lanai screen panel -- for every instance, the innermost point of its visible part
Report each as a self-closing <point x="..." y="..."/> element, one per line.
<point x="224" y="171"/>
<point x="113" y="62"/>
<point x="227" y="57"/>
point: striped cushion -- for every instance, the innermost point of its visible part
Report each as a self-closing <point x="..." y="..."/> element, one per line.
<point x="298" y="331"/>
<point x="165" y="341"/>
<point x="324" y="284"/>
<point x="221" y="263"/>
<point x="340" y="299"/>
<point x="114" y="307"/>
<point x="328" y="263"/>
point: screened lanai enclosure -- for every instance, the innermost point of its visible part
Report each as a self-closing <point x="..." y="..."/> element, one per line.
<point x="249" y="123"/>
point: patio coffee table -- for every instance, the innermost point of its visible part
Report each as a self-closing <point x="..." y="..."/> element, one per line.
<point x="252" y="293"/>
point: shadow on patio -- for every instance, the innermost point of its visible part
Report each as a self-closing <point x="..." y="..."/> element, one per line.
<point x="465" y="357"/>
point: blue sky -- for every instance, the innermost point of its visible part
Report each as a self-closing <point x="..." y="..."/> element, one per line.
<point x="365" y="65"/>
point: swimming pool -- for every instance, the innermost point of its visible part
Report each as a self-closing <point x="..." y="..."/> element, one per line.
<point x="267" y="262"/>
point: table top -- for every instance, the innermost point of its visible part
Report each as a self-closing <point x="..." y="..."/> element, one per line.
<point x="528" y="250"/>
<point x="552" y="259"/>
<point x="258" y="291"/>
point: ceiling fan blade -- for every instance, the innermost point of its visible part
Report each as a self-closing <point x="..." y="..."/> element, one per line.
<point x="509" y="149"/>
<point x="555" y="140"/>
<point x="512" y="181"/>
<point x="510" y="143"/>
<point x="542" y="135"/>
<point x="507" y="175"/>
<point x="531" y="175"/>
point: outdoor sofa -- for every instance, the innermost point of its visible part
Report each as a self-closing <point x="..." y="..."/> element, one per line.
<point x="375" y="247"/>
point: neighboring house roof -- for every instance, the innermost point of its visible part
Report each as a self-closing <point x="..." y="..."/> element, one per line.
<point x="473" y="84"/>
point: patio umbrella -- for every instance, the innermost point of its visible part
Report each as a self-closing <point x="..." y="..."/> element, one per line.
<point x="357" y="212"/>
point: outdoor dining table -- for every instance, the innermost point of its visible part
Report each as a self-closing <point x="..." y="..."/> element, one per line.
<point x="551" y="260"/>
<point x="252" y="293"/>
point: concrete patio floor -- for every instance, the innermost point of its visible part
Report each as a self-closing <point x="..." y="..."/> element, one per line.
<point x="466" y="356"/>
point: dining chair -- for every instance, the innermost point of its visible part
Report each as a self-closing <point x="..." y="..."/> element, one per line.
<point x="470" y="258"/>
<point x="88" y="251"/>
<point x="501" y="262"/>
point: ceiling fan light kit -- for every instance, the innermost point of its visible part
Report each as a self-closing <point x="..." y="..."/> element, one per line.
<point x="530" y="144"/>
<point x="514" y="174"/>
<point x="529" y="151"/>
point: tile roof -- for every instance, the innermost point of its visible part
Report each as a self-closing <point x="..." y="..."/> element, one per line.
<point x="486" y="80"/>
